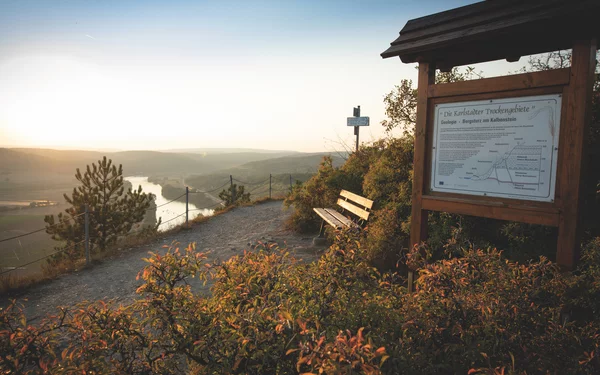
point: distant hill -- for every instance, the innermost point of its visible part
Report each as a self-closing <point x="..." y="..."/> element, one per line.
<point x="30" y="173"/>
<point x="155" y="163"/>
<point x="209" y="151"/>
<point x="152" y="163"/>
<point x="134" y="162"/>
<point x="255" y="175"/>
<point x="287" y="164"/>
<point x="15" y="160"/>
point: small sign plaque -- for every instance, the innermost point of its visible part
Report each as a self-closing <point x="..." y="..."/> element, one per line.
<point x="358" y="121"/>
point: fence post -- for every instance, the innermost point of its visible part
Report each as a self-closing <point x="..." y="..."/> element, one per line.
<point x="187" y="199"/>
<point x="290" y="184"/>
<point x="270" y="179"/>
<point x="87" y="235"/>
<point x="232" y="191"/>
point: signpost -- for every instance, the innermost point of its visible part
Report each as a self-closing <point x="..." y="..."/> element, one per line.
<point x="357" y="121"/>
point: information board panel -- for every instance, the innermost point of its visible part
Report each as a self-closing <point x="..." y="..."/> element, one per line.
<point x="499" y="148"/>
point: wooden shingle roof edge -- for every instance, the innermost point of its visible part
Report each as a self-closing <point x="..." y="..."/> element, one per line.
<point x="497" y="29"/>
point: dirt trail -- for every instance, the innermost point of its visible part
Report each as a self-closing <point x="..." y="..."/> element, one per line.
<point x="224" y="235"/>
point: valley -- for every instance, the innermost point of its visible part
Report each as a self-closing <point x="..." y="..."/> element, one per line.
<point x="45" y="175"/>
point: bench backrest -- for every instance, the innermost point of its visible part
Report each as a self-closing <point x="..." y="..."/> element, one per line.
<point x="356" y="204"/>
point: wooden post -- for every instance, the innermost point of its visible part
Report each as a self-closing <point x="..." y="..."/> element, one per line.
<point x="231" y="189"/>
<point x="290" y="184"/>
<point x="418" y="223"/>
<point x="187" y="199"/>
<point x="578" y="97"/>
<point x="87" y="235"/>
<point x="270" y="184"/>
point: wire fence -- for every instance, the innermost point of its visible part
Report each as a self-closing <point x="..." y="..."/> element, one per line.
<point x="257" y="188"/>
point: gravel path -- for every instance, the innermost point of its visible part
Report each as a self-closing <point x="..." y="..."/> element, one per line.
<point x="224" y="235"/>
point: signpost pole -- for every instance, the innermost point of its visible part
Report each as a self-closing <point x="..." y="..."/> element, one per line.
<point x="356" y="121"/>
<point x="356" y="128"/>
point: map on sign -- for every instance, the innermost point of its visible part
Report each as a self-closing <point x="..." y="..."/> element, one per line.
<point x="499" y="148"/>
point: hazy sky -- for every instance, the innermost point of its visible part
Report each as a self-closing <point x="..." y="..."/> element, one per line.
<point x="182" y="74"/>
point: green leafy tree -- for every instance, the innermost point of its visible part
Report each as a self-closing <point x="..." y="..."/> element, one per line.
<point x="401" y="107"/>
<point x="401" y="102"/>
<point x="234" y="195"/>
<point x="113" y="212"/>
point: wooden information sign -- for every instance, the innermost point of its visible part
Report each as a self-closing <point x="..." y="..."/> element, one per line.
<point x="511" y="147"/>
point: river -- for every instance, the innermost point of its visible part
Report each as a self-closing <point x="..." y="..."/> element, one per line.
<point x="167" y="212"/>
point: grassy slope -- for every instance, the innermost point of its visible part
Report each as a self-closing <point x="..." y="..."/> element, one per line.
<point x="29" y="248"/>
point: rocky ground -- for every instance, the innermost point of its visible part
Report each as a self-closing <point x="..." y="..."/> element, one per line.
<point x="115" y="279"/>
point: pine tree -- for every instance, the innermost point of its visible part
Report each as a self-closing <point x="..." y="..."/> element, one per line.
<point x="111" y="212"/>
<point x="238" y="195"/>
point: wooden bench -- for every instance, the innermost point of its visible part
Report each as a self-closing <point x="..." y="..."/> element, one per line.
<point x="350" y="202"/>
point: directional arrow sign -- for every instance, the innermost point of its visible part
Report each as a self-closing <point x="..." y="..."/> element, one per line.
<point x="358" y="121"/>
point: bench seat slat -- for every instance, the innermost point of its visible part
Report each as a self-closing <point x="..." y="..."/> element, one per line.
<point x="347" y="222"/>
<point x="330" y="219"/>
<point x="354" y="209"/>
<point x="357" y="198"/>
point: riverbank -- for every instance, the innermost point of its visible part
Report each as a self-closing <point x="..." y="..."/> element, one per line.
<point x="174" y="189"/>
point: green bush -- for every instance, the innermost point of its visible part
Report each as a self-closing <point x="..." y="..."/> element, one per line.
<point x="476" y="313"/>
<point x="318" y="191"/>
<point x="388" y="183"/>
<point x="234" y="195"/>
<point x="480" y="310"/>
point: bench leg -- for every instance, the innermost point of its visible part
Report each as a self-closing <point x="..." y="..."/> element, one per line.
<point x="322" y="230"/>
<point x="320" y="240"/>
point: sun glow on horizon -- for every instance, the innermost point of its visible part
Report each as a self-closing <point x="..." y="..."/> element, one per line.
<point x="56" y="101"/>
<point x="149" y="75"/>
